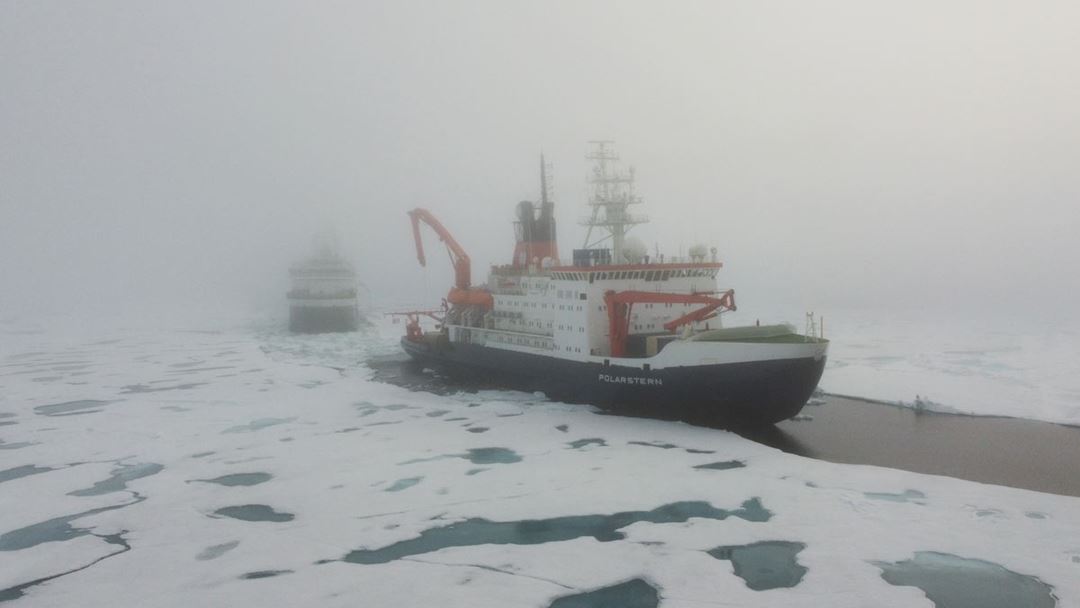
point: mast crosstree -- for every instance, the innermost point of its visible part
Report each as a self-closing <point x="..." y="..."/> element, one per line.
<point x="611" y="192"/>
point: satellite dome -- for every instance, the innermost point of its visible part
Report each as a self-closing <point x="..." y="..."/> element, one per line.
<point x="698" y="252"/>
<point x="634" y="250"/>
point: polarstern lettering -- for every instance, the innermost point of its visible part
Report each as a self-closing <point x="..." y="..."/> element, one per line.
<point x="631" y="380"/>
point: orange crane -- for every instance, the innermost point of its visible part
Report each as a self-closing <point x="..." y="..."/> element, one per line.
<point x="462" y="292"/>
<point x="620" y="303"/>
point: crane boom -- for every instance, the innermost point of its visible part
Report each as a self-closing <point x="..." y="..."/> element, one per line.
<point x="619" y="304"/>
<point x="458" y="257"/>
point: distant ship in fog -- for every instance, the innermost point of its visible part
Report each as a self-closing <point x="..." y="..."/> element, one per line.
<point x="323" y="293"/>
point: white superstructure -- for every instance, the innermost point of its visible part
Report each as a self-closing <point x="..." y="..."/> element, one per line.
<point x="323" y="292"/>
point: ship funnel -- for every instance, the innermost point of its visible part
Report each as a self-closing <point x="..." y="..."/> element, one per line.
<point x="536" y="232"/>
<point x="525" y="212"/>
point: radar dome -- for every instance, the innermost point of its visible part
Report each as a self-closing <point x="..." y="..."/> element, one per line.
<point x="698" y="252"/>
<point x="634" y="250"/>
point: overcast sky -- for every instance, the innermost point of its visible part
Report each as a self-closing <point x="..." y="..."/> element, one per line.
<point x="838" y="153"/>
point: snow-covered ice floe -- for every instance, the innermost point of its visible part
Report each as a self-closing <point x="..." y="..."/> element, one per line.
<point x="1015" y="366"/>
<point x="248" y="467"/>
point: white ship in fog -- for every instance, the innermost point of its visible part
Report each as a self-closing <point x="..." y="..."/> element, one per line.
<point x="323" y="292"/>
<point x="614" y="327"/>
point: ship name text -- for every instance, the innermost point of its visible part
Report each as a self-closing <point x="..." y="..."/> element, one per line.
<point x="631" y="380"/>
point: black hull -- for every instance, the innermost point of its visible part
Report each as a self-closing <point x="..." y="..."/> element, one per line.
<point x="753" y="393"/>
<point x="317" y="320"/>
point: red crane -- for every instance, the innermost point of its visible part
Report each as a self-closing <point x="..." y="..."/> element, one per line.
<point x="462" y="292"/>
<point x="619" y="305"/>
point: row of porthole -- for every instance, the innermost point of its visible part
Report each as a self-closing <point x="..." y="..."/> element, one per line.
<point x="535" y="343"/>
<point x="536" y="324"/>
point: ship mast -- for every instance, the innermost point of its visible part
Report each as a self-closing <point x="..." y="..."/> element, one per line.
<point x="545" y="187"/>
<point x="547" y="204"/>
<point x="611" y="194"/>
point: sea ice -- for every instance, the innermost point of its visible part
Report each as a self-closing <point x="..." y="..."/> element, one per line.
<point x="324" y="495"/>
